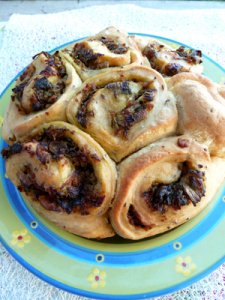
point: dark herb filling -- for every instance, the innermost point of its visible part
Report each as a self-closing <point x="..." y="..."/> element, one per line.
<point x="189" y="188"/>
<point x="86" y="56"/>
<point x="11" y="150"/>
<point x="191" y="56"/>
<point x="122" y="121"/>
<point x="83" y="114"/>
<point x="18" y="90"/>
<point x="172" y="69"/>
<point x="135" y="219"/>
<point x="27" y="73"/>
<point x="55" y="61"/>
<point x="119" y="88"/>
<point x="116" y="48"/>
<point x="78" y="193"/>
<point x="134" y="112"/>
<point x="45" y="93"/>
<point x="151" y="55"/>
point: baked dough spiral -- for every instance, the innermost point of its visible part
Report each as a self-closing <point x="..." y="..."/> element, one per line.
<point x="162" y="186"/>
<point x="66" y="176"/>
<point x="167" y="60"/>
<point x="124" y="109"/>
<point x="130" y="99"/>
<point x="201" y="110"/>
<point x="109" y="49"/>
<point x="41" y="95"/>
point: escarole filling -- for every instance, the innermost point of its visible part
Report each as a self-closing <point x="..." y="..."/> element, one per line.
<point x="135" y="219"/>
<point x="189" y="188"/>
<point x="171" y="62"/>
<point x="96" y="53"/>
<point x="129" y="102"/>
<point x="73" y="185"/>
<point x="41" y="84"/>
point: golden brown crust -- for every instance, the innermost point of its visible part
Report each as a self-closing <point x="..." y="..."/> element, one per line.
<point x="17" y="122"/>
<point x="107" y="50"/>
<point x="109" y="115"/>
<point x="90" y="226"/>
<point x="201" y="110"/>
<point x="159" y="162"/>
<point x="125" y="104"/>
<point x="56" y="175"/>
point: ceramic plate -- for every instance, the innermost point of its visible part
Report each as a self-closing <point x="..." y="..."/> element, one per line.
<point x="113" y="268"/>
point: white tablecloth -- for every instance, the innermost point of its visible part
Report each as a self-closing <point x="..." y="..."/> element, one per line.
<point x="26" y="35"/>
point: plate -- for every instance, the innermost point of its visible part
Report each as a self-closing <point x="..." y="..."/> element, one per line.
<point x="113" y="268"/>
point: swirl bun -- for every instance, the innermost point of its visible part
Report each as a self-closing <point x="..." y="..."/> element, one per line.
<point x="109" y="49"/>
<point x="116" y="134"/>
<point x="169" y="182"/>
<point x="124" y="109"/>
<point x="66" y="176"/>
<point x="167" y="60"/>
<point x="41" y="95"/>
<point x="201" y="109"/>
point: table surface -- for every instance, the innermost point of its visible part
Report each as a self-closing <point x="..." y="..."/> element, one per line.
<point x="7" y="8"/>
<point x="11" y="286"/>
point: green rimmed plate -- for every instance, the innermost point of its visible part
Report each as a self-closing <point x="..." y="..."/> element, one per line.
<point x="113" y="268"/>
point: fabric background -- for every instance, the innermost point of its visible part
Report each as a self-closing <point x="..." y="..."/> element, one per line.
<point x="26" y="35"/>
